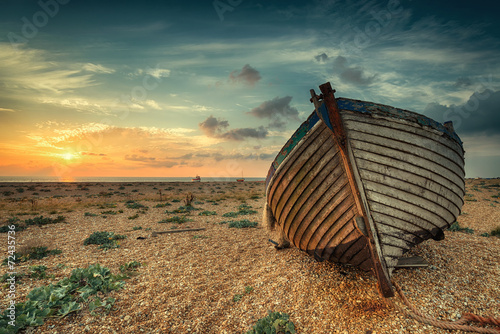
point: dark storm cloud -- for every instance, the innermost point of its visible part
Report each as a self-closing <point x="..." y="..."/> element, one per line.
<point x="213" y="127"/>
<point x="352" y="74"/>
<point x="480" y="114"/>
<point x="248" y="75"/>
<point x="278" y="110"/>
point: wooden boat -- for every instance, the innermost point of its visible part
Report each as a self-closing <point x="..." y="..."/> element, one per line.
<point x="361" y="183"/>
<point x="196" y="179"/>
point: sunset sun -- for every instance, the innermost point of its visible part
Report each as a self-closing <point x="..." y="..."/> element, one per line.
<point x="68" y="156"/>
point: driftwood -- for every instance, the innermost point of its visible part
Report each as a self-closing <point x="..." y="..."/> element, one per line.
<point x="154" y="234"/>
<point x="411" y="262"/>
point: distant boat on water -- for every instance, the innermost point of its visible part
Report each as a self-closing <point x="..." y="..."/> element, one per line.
<point x="196" y="179"/>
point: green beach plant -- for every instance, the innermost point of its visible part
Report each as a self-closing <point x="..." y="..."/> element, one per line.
<point x="66" y="296"/>
<point x="245" y="223"/>
<point x="274" y="323"/>
<point x="107" y="240"/>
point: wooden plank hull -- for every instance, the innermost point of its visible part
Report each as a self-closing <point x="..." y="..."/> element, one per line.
<point x="392" y="180"/>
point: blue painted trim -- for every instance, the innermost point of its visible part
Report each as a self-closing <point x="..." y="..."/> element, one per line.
<point x="291" y="143"/>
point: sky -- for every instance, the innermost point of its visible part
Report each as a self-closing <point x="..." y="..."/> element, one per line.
<point x="216" y="88"/>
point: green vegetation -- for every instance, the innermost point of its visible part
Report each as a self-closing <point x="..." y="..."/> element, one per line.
<point x="200" y="236"/>
<point x="470" y="198"/>
<point x="274" y="323"/>
<point x="44" y="221"/>
<point x="134" y="216"/>
<point x="160" y="205"/>
<point x="17" y="228"/>
<point x="39" y="272"/>
<point x="176" y="219"/>
<point x="455" y="227"/>
<point x="6" y="276"/>
<point x="135" y="228"/>
<point x="89" y="214"/>
<point x="496" y="232"/>
<point x="135" y="205"/>
<point x="183" y="209"/>
<point x="129" y="268"/>
<point x="107" y="240"/>
<point x="66" y="296"/>
<point x="207" y="213"/>
<point x="106" y="205"/>
<point x="243" y="209"/>
<point x="245" y="223"/>
<point x="33" y="253"/>
<point x="109" y="212"/>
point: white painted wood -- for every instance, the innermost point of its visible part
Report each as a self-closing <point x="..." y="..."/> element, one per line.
<point x="407" y="126"/>
<point x="433" y="201"/>
<point x="397" y="171"/>
<point x="407" y="152"/>
<point x="411" y="163"/>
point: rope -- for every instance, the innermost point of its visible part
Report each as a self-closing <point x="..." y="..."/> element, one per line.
<point x="451" y="325"/>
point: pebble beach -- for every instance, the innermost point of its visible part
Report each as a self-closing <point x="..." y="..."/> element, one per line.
<point x="222" y="279"/>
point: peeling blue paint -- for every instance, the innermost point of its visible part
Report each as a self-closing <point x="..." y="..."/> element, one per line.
<point x="388" y="111"/>
<point x="358" y="106"/>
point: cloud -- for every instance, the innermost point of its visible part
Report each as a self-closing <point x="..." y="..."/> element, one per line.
<point x="218" y="156"/>
<point x="322" y="58"/>
<point x="152" y="104"/>
<point x="93" y="154"/>
<point x="213" y="127"/>
<point x="240" y="134"/>
<point x="151" y="161"/>
<point x="463" y="82"/>
<point x="248" y="75"/>
<point x="78" y="104"/>
<point x="135" y="157"/>
<point x="29" y="69"/>
<point x="156" y="72"/>
<point x="479" y="115"/>
<point x="278" y="110"/>
<point x="7" y="110"/>
<point x="89" y="67"/>
<point x="352" y="74"/>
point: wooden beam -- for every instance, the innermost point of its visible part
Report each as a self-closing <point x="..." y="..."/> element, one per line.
<point x="340" y="138"/>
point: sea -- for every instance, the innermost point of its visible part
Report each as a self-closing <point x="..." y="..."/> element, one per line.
<point x="27" y="179"/>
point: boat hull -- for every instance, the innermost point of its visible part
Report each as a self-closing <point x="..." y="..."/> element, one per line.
<point x="394" y="179"/>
